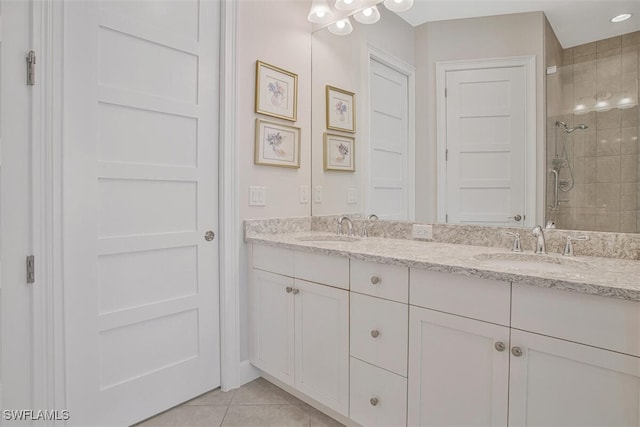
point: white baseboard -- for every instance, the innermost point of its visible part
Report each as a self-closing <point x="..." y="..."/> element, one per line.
<point x="247" y="373"/>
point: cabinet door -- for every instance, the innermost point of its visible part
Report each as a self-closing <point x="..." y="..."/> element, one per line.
<point x="457" y="377"/>
<point x="322" y="344"/>
<point x="272" y="331"/>
<point x="561" y="383"/>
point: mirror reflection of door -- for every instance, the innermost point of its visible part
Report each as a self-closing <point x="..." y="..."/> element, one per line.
<point x="390" y="192"/>
<point x="485" y="152"/>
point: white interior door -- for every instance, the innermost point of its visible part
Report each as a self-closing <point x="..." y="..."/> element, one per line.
<point x="485" y="146"/>
<point x="139" y="194"/>
<point x="388" y="193"/>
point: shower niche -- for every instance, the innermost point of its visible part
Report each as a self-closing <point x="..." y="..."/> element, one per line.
<point x="592" y="136"/>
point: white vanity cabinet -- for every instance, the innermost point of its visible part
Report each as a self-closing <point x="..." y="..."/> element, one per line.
<point x="576" y="362"/>
<point x="458" y="366"/>
<point x="379" y="343"/>
<point x="300" y="329"/>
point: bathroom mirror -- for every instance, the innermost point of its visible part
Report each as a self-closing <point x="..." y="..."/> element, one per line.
<point x="586" y="100"/>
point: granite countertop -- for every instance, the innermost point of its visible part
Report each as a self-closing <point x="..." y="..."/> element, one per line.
<point x="610" y="277"/>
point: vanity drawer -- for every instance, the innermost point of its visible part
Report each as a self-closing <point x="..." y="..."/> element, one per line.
<point x="389" y="391"/>
<point x="380" y="280"/>
<point x="609" y="323"/>
<point x="320" y="268"/>
<point x="473" y="297"/>
<point x="379" y="332"/>
<point x="273" y="259"/>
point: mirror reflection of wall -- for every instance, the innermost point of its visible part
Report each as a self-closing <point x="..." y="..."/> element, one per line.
<point x="345" y="62"/>
<point x="592" y="136"/>
<point x="501" y="36"/>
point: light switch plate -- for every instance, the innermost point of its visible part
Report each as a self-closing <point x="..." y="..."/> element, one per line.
<point x="352" y="196"/>
<point x="304" y="194"/>
<point x="257" y="196"/>
<point x="318" y="194"/>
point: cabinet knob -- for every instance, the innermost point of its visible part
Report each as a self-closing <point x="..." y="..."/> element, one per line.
<point x="500" y="346"/>
<point x="375" y="280"/>
<point x="375" y="333"/>
<point x="516" y="351"/>
<point x="374" y="401"/>
<point x="209" y="236"/>
<point x="296" y="291"/>
<point x="289" y="289"/>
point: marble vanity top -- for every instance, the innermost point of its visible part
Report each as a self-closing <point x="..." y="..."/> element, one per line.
<point x="610" y="277"/>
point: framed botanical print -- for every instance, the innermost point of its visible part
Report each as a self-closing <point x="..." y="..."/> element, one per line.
<point x="277" y="144"/>
<point x="276" y="92"/>
<point x="339" y="153"/>
<point x="341" y="110"/>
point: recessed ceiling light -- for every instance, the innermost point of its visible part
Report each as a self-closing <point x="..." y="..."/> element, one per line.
<point x="621" y="17"/>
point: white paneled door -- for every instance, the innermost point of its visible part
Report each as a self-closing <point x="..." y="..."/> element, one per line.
<point x="485" y="144"/>
<point x="388" y="192"/>
<point x="139" y="197"/>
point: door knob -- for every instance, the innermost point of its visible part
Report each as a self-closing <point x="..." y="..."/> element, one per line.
<point x="375" y="333"/>
<point x="375" y="280"/>
<point x="296" y="291"/>
<point x="209" y="236"/>
<point x="500" y="346"/>
<point x="516" y="351"/>
<point x="374" y="401"/>
<point x="289" y="289"/>
<point x="516" y="217"/>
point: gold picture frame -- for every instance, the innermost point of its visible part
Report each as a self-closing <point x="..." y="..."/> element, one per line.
<point x="341" y="109"/>
<point x="277" y="144"/>
<point x="339" y="152"/>
<point x="276" y="92"/>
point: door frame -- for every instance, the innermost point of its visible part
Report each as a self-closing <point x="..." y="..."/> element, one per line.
<point x="47" y="364"/>
<point x="531" y="150"/>
<point x="408" y="70"/>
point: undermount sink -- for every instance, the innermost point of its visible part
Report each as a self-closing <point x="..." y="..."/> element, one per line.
<point x="328" y="238"/>
<point x="536" y="262"/>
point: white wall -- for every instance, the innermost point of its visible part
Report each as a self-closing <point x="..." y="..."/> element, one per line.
<point x="276" y="32"/>
<point x="472" y="38"/>
<point x="342" y="61"/>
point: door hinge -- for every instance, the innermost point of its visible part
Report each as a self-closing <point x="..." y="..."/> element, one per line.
<point x="445" y="92"/>
<point x="446" y="154"/>
<point x="31" y="269"/>
<point x="446" y="218"/>
<point x="31" y="68"/>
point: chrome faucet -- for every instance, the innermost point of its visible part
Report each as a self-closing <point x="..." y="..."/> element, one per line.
<point x="364" y="232"/>
<point x="568" y="248"/>
<point x="517" y="247"/>
<point x="349" y="223"/>
<point x="541" y="246"/>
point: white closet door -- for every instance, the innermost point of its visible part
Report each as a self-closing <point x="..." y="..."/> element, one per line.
<point x="388" y="186"/>
<point x="140" y="192"/>
<point x="486" y="135"/>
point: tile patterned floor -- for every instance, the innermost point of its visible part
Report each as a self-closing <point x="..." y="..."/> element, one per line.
<point x="256" y="404"/>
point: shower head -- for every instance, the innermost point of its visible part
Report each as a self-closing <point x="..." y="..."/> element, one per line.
<point x="567" y="129"/>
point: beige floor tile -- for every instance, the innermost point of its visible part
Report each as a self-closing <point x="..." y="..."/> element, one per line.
<point x="216" y="397"/>
<point x="318" y="419"/>
<point x="266" y="416"/>
<point x="188" y="416"/>
<point x="262" y="392"/>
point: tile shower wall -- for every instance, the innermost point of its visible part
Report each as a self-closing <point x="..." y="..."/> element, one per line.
<point x="599" y="88"/>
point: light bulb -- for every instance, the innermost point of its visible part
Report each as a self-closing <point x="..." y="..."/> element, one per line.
<point x="620" y="18"/>
<point x="370" y="15"/>
<point x="320" y="12"/>
<point x="398" y="5"/>
<point x="341" y="27"/>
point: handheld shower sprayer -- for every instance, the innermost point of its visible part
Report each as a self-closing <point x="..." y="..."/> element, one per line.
<point x="567" y="129"/>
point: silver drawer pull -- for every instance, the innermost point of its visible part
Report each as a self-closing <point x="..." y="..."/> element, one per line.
<point x="500" y="346"/>
<point x="516" y="351"/>
<point x="375" y="333"/>
<point x="374" y="401"/>
<point x="289" y="289"/>
<point x="375" y="280"/>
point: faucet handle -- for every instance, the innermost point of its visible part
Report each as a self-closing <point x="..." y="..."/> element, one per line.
<point x="568" y="247"/>
<point x="517" y="247"/>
